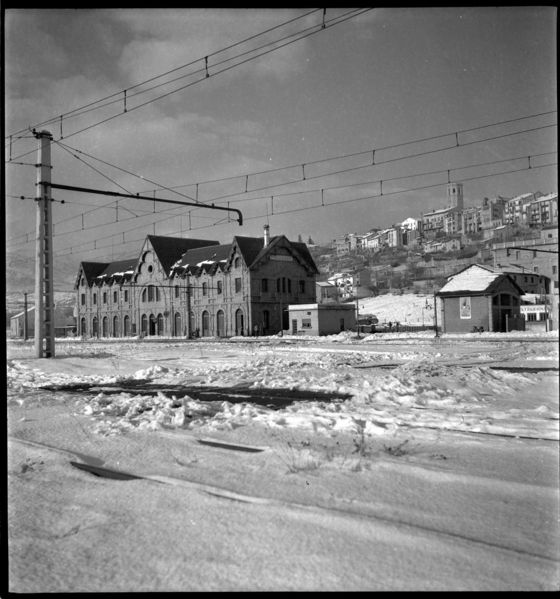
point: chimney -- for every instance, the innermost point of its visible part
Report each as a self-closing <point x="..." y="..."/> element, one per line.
<point x="266" y="235"/>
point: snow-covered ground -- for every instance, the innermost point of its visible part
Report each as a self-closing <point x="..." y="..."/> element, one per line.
<point x="406" y="308"/>
<point x="386" y="462"/>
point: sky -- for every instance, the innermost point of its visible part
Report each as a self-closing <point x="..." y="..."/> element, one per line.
<point x="328" y="106"/>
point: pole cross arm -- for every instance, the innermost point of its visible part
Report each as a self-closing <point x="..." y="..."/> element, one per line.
<point x="139" y="197"/>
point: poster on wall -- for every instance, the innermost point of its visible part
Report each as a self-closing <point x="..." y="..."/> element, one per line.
<point x="465" y="307"/>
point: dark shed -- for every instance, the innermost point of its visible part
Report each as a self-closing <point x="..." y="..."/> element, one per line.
<point x="478" y="298"/>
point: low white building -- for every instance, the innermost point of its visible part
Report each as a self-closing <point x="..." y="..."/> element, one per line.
<point x="321" y="319"/>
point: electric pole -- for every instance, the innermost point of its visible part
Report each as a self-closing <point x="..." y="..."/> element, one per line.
<point x="25" y="315"/>
<point x="44" y="296"/>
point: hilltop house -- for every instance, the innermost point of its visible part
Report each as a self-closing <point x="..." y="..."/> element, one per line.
<point x="186" y="287"/>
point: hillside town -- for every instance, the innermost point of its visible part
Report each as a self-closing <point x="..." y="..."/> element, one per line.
<point x="258" y="286"/>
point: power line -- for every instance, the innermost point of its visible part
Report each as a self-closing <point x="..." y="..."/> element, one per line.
<point x="337" y="187"/>
<point x="308" y="177"/>
<point x="67" y="114"/>
<point x="311" y="177"/>
<point x="304" y="33"/>
<point x="380" y="149"/>
<point x="363" y="198"/>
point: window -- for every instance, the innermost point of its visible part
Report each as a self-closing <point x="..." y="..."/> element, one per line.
<point x="204" y="288"/>
<point x="104" y="297"/>
<point x="219" y="287"/>
<point x="289" y="285"/>
<point x="144" y="295"/>
<point x="534" y="254"/>
<point x="176" y="290"/>
<point x="83" y="299"/>
<point x="238" y="285"/>
<point x="264" y="285"/>
<point x="115" y="297"/>
<point x="306" y="323"/>
<point x="278" y="285"/>
<point x="158" y="297"/>
<point x="302" y="286"/>
<point x="535" y="269"/>
<point x="126" y="295"/>
<point x="237" y="262"/>
<point x="554" y="269"/>
<point x="95" y="298"/>
<point x="150" y="293"/>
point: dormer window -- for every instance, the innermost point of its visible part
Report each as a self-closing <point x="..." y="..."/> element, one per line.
<point x="237" y="262"/>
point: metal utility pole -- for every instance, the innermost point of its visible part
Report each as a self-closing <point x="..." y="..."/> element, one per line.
<point x="435" y="315"/>
<point x="44" y="296"/>
<point x="25" y="315"/>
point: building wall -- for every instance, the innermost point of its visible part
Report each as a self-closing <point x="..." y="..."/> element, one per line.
<point x="487" y="311"/>
<point x="453" y="323"/>
<point x="163" y="306"/>
<point x="321" y="319"/>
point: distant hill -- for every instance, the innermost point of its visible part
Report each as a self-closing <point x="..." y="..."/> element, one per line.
<point x="20" y="273"/>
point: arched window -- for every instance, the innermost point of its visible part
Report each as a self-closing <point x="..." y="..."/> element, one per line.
<point x="158" y="297"/>
<point x="177" y="324"/>
<point x="160" y="329"/>
<point x="191" y="323"/>
<point x="205" y="324"/>
<point x="220" y="324"/>
<point x="204" y="288"/>
<point x="144" y="295"/>
<point x="116" y="332"/>
<point x="95" y="327"/>
<point x="152" y="330"/>
<point x="144" y="324"/>
<point x="266" y="320"/>
<point x="150" y="293"/>
<point x="237" y="262"/>
<point x="83" y="327"/>
<point x="126" y="326"/>
<point x="239" y="324"/>
<point x="105" y="332"/>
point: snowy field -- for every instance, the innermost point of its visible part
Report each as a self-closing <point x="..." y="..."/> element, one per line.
<point x="383" y="463"/>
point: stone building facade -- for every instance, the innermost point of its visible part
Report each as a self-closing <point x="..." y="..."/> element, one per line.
<point x="190" y="287"/>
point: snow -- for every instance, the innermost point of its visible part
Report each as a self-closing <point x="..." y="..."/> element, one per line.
<point x="474" y="278"/>
<point x="413" y="463"/>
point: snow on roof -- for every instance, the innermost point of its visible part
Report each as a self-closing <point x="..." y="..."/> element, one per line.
<point x="548" y="197"/>
<point x="473" y="279"/>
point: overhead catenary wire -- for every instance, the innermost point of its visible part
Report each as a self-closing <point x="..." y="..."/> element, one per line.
<point x="324" y="205"/>
<point x="154" y="78"/>
<point x="306" y="33"/>
<point x="68" y="148"/>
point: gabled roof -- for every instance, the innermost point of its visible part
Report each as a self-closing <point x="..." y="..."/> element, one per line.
<point x="208" y="256"/>
<point x="90" y="271"/>
<point x="253" y="252"/>
<point x="475" y="280"/>
<point x="170" y="249"/>
<point x="119" y="268"/>
<point x="303" y="250"/>
<point x="250" y="247"/>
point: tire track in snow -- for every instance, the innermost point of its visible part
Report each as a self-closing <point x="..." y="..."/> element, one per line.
<point x="398" y="520"/>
